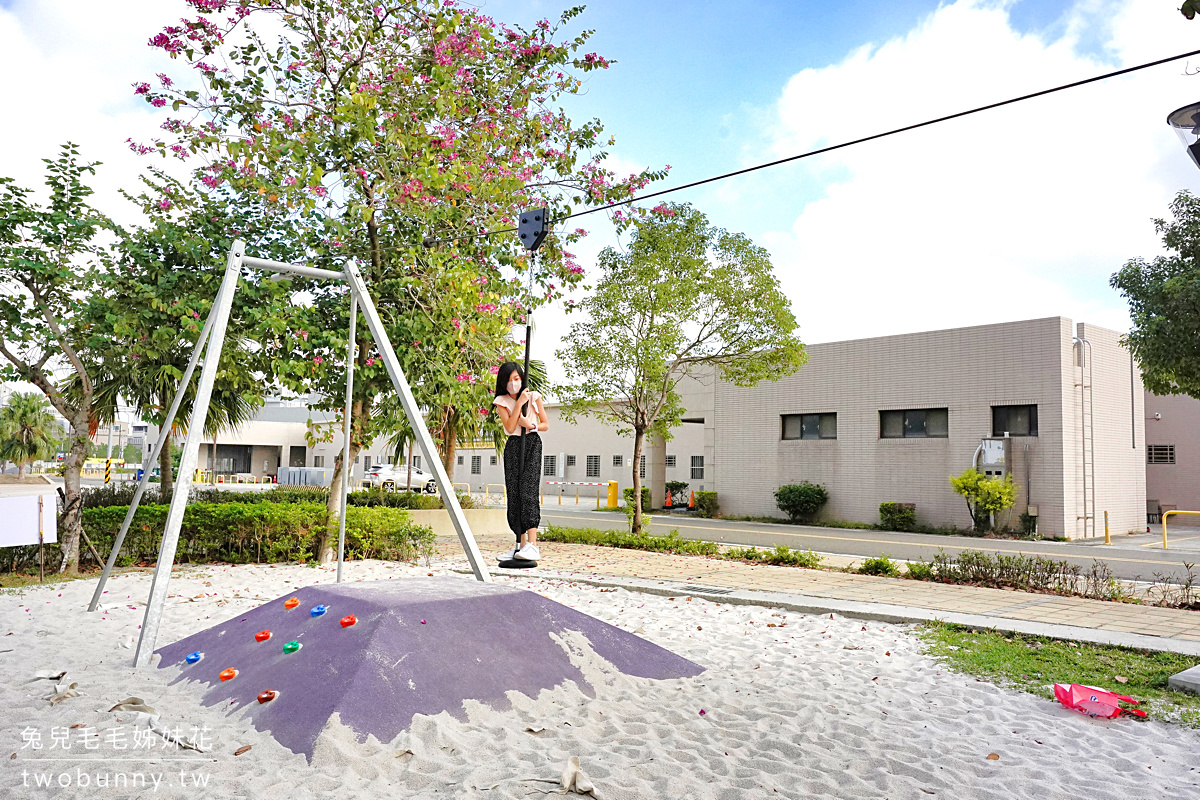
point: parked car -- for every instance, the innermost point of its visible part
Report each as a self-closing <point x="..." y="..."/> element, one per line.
<point x="393" y="476"/>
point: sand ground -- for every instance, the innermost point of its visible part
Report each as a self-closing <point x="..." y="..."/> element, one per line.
<point x="794" y="706"/>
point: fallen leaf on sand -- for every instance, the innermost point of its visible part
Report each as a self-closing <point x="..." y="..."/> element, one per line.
<point x="76" y="725"/>
<point x="403" y="753"/>
<point x="535" y="729"/>
<point x="851" y="647"/>
<point x="47" y="675"/>
<point x="928" y="791"/>
<point x="65" y="694"/>
<point x="244" y="748"/>
<point x="1121" y="679"/>
<point x="133" y="704"/>
<point x="574" y="779"/>
<point x="993" y="756"/>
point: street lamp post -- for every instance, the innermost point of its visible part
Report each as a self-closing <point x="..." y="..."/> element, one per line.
<point x="1186" y="124"/>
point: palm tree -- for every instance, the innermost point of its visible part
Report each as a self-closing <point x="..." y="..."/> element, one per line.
<point x="150" y="388"/>
<point x="27" y="430"/>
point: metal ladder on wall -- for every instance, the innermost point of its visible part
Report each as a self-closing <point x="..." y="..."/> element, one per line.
<point x="1087" y="437"/>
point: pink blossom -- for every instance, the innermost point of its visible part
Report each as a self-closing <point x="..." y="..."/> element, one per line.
<point x="494" y="370"/>
<point x="317" y="359"/>
<point x="141" y="88"/>
<point x="462" y="377"/>
<point x="164" y="80"/>
<point x="158" y="102"/>
<point x="164" y="204"/>
<point x="370" y="362"/>
<point x="302" y="335"/>
<point x="319" y="191"/>
<point x="456" y="322"/>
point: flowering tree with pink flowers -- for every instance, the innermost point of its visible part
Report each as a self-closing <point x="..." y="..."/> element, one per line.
<point x="380" y="125"/>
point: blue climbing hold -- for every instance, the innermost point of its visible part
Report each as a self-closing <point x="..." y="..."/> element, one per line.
<point x="192" y="658"/>
<point x="318" y="610"/>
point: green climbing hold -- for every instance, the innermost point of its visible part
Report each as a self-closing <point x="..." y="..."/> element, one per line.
<point x="291" y="646"/>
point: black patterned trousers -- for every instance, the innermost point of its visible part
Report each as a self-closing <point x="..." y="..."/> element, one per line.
<point x="524" y="511"/>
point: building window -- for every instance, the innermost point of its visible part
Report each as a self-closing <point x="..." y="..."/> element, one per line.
<point x="493" y="461"/>
<point x="917" y="423"/>
<point x="548" y="465"/>
<point x="357" y="458"/>
<point x="697" y="468"/>
<point x="318" y="461"/>
<point x="416" y="462"/>
<point x="642" y="466"/>
<point x="617" y="461"/>
<point x="570" y="461"/>
<point x="1160" y="454"/>
<point x="387" y="459"/>
<point x="1014" y="420"/>
<point x="593" y="466"/>
<point x="810" y="426"/>
<point x="670" y="462"/>
<point x="366" y="462"/>
<point x="476" y="464"/>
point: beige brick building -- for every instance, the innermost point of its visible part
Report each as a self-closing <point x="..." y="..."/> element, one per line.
<point x="889" y="419"/>
<point x="1173" y="456"/>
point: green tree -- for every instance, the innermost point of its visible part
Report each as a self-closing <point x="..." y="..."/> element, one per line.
<point x="28" y="430"/>
<point x="985" y="496"/>
<point x="51" y="264"/>
<point x="684" y="296"/>
<point x="377" y="126"/>
<point x="1164" y="303"/>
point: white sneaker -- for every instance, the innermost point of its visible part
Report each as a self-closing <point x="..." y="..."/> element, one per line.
<point x="529" y="553"/>
<point x="507" y="556"/>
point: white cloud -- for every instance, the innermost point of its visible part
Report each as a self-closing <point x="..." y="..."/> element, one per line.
<point x="69" y="70"/>
<point x="1014" y="213"/>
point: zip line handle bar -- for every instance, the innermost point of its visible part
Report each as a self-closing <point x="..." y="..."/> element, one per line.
<point x="279" y="266"/>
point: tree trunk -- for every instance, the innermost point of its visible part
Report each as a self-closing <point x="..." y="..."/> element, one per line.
<point x="450" y="442"/>
<point x="327" y="544"/>
<point x="166" y="472"/>
<point x="71" y="525"/>
<point x="639" y="434"/>
<point x="21" y="470"/>
<point x="327" y="547"/>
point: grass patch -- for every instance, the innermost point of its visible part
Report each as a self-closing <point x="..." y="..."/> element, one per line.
<point x="22" y="580"/>
<point x="671" y="543"/>
<point x="861" y="526"/>
<point x="1035" y="663"/>
<point x="781" y="556"/>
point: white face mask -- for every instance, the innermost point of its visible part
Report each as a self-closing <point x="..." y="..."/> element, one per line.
<point x="514" y="387"/>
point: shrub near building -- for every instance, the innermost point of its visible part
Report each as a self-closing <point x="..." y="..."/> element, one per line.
<point x="801" y="501"/>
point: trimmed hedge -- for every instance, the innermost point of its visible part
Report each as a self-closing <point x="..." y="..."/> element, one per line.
<point x="898" y="516"/>
<point x="241" y="532"/>
<point x="627" y="496"/>
<point x="707" y="505"/>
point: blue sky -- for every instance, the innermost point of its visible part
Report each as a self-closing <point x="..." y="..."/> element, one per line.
<point x="1018" y="213"/>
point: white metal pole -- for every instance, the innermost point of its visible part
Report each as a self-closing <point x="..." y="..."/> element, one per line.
<point x="346" y="446"/>
<point x="164" y="435"/>
<point x="420" y="431"/>
<point x="187" y="463"/>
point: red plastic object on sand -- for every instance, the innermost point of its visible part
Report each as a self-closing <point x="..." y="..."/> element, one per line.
<point x="1094" y="702"/>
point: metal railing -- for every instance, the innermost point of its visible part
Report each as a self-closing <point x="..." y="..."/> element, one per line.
<point x="488" y="490"/>
<point x="1167" y="514"/>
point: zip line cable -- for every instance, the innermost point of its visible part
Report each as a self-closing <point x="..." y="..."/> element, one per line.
<point x="431" y="241"/>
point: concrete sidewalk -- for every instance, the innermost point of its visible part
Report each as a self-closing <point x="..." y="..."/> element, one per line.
<point x="887" y="599"/>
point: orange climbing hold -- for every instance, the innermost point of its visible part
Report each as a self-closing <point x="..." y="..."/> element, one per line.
<point x="262" y="636"/>
<point x="291" y="602"/>
<point x="349" y="620"/>
<point x="228" y="674"/>
<point x="267" y="696"/>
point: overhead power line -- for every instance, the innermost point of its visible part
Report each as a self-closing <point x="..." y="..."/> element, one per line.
<point x="431" y="241"/>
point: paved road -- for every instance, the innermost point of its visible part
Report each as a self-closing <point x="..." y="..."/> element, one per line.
<point x="1131" y="557"/>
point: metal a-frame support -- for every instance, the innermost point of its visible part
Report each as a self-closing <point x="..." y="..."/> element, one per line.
<point x="215" y="328"/>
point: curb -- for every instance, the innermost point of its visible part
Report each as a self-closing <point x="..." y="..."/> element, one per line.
<point x="878" y="612"/>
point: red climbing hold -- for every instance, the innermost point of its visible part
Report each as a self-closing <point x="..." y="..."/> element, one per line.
<point x="228" y="674"/>
<point x="267" y="696"/>
<point x="349" y="620"/>
<point x="291" y="602"/>
<point x="262" y="636"/>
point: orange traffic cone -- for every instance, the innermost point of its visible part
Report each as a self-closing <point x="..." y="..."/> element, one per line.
<point x="668" y="503"/>
<point x="692" y="501"/>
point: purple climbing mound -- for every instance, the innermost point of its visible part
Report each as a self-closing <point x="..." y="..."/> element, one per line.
<point x="417" y="646"/>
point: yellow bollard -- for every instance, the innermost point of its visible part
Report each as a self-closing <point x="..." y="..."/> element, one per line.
<point x="612" y="494"/>
<point x="1107" y="539"/>
<point x="576" y="495"/>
